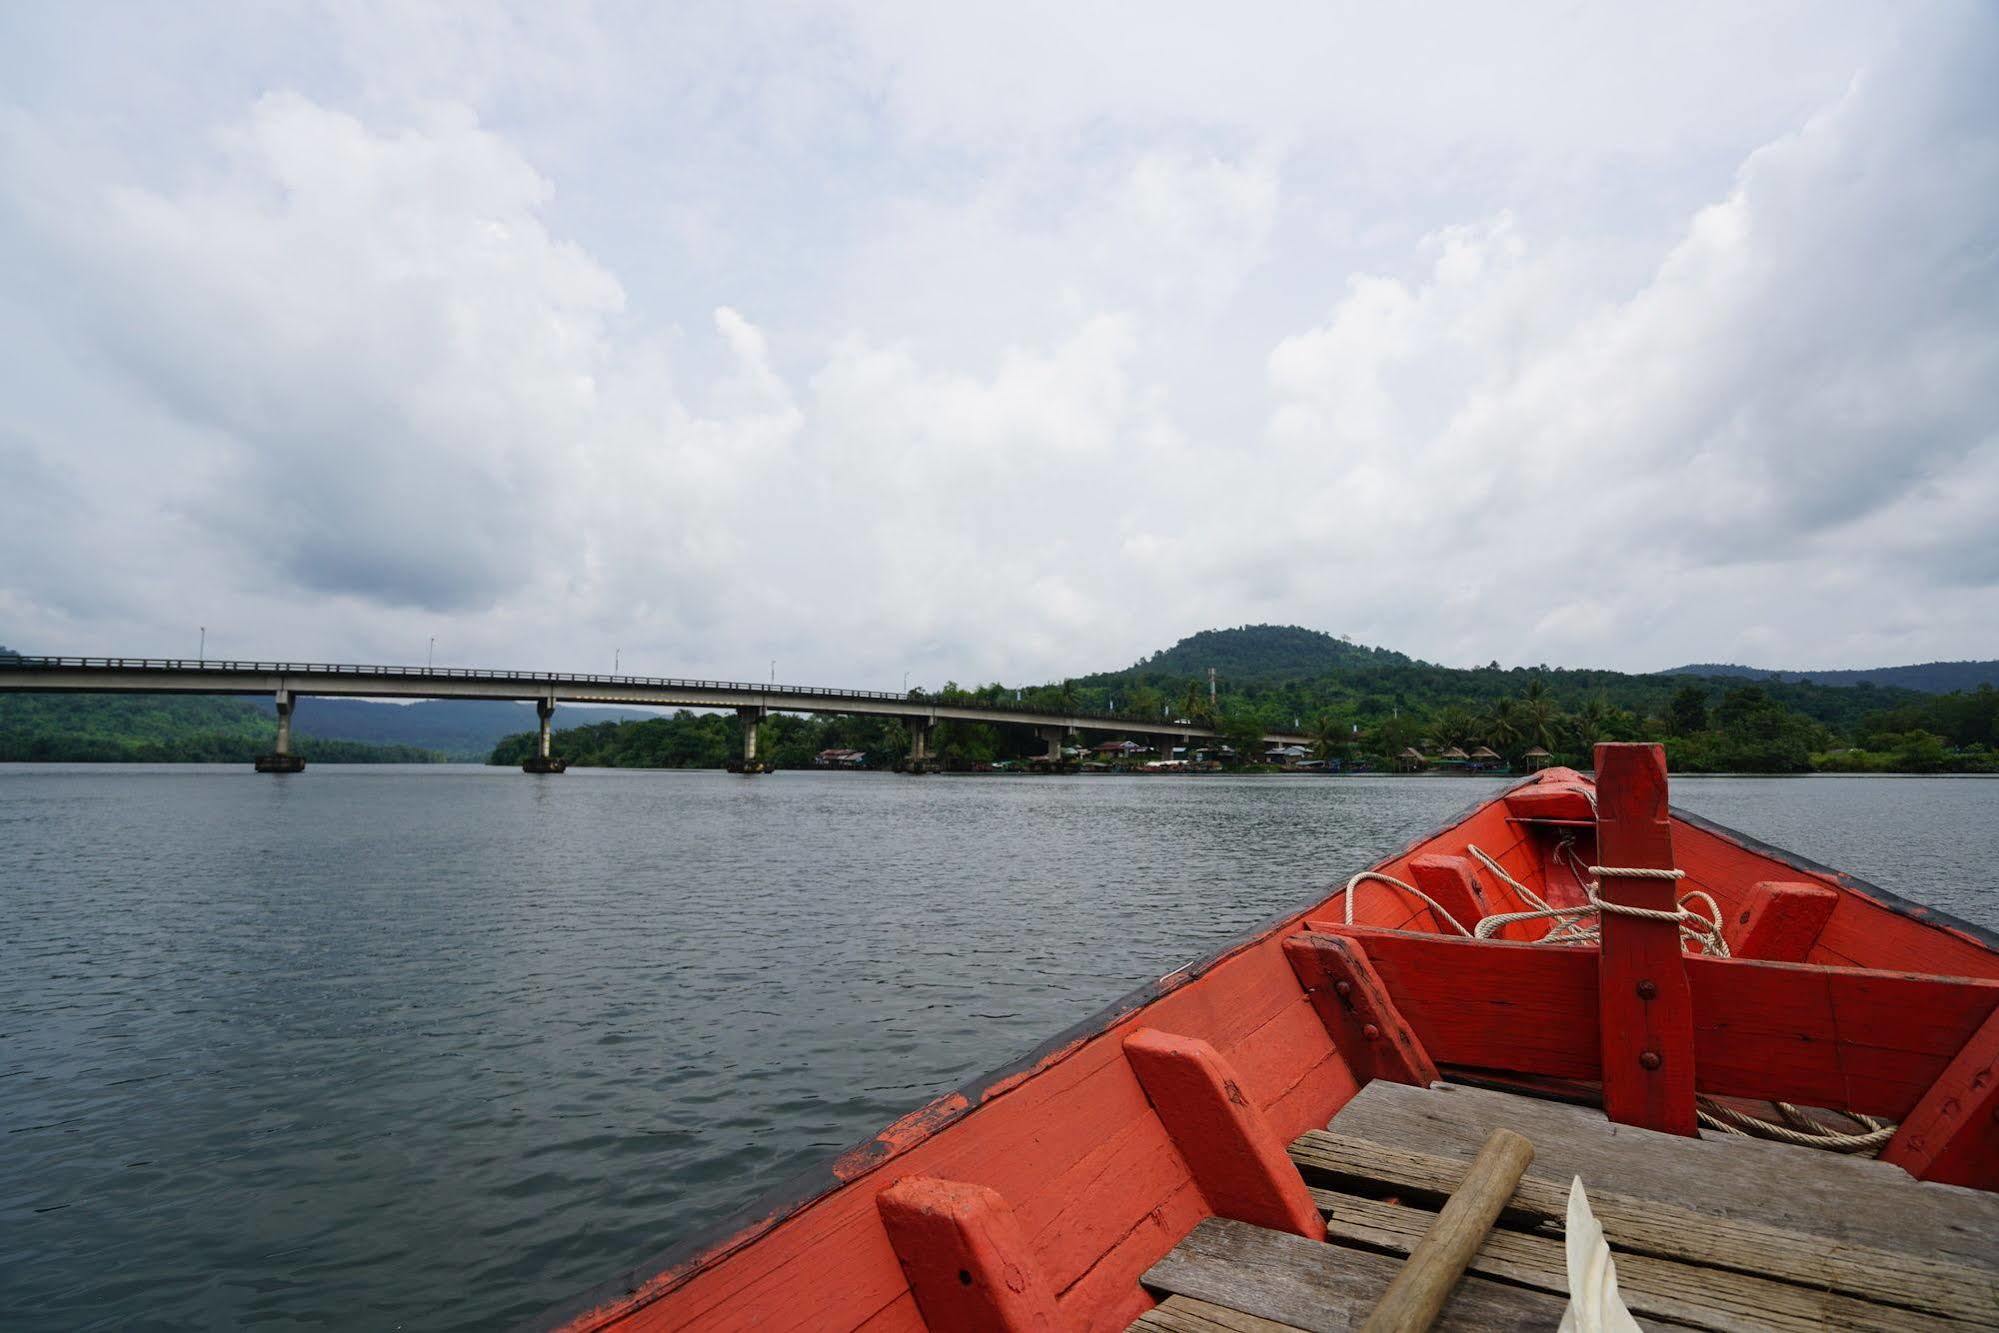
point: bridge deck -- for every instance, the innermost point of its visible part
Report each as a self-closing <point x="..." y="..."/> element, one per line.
<point x="135" y="675"/>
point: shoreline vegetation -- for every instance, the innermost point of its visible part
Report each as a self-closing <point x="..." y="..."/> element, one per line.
<point x="1367" y="706"/>
<point x="1361" y="706"/>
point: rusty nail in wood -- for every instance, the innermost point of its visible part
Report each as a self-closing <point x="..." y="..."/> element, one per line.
<point x="1371" y="1032"/>
<point x="1343" y="989"/>
<point x="1649" y="1059"/>
<point x="1647" y="991"/>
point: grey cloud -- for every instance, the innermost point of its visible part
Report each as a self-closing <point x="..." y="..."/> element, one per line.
<point x="554" y="331"/>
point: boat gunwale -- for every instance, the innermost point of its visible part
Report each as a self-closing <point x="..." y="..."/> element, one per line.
<point x="669" y="1269"/>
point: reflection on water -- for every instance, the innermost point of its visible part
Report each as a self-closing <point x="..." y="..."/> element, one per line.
<point x="445" y="1046"/>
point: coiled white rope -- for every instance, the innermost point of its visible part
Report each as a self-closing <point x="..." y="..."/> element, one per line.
<point x="1377" y="877"/>
<point x="1583" y="924"/>
<point x="1811" y="1133"/>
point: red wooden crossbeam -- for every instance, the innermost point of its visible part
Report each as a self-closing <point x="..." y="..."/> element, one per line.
<point x="1645" y="1009"/>
<point x="1358" y="1010"/>
<point x="1780" y="921"/>
<point x="1236" y="1158"/>
<point x="968" y="1265"/>
<point x="1842" y="1038"/>
<point x="1953" y="1133"/>
<point x="1452" y="881"/>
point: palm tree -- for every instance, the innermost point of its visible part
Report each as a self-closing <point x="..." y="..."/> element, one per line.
<point x="1590" y="720"/>
<point x="1539" y="720"/>
<point x="1194" y="705"/>
<point x="1502" y="725"/>
<point x="1329" y="736"/>
<point x="1067" y="697"/>
<point x="1453" y="724"/>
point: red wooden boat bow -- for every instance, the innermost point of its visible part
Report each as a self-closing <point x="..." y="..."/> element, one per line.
<point x="1572" y="940"/>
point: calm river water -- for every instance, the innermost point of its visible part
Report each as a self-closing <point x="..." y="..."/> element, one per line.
<point x="440" y="1047"/>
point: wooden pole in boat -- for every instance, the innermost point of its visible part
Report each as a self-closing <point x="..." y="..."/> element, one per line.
<point x="1417" y="1295"/>
<point x="1643" y="1001"/>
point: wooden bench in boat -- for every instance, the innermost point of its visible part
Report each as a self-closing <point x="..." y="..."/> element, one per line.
<point x="1717" y="1232"/>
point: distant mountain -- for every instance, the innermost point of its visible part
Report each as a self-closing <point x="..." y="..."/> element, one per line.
<point x="1928" y="677"/>
<point x="1263" y="655"/>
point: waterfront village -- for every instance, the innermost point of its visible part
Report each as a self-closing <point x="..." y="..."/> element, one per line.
<point x="1157" y="757"/>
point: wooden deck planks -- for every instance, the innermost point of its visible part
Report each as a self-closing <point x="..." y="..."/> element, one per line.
<point x="1323" y="1288"/>
<point x="1847" y="1236"/>
<point x="1837" y="1198"/>
<point x="1681" y="1293"/>
<point x="1184" y="1314"/>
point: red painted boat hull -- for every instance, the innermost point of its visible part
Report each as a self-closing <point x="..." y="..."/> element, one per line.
<point x="1069" y="1167"/>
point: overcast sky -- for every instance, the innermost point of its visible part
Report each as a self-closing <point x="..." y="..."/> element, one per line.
<point x="999" y="347"/>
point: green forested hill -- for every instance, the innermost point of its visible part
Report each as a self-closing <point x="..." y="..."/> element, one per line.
<point x="1259" y="655"/>
<point x="1282" y="668"/>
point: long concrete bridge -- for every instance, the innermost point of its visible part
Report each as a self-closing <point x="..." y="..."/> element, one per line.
<point x="286" y="682"/>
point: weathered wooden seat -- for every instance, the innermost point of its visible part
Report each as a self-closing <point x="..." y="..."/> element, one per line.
<point x="1718" y="1232"/>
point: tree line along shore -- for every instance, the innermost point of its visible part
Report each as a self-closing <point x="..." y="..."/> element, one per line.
<point x="1706" y="727"/>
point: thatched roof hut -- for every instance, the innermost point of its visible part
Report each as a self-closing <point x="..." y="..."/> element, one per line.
<point x="1538" y="757"/>
<point x="1484" y="752"/>
<point x="1411" y="758"/>
<point x="1454" y="753"/>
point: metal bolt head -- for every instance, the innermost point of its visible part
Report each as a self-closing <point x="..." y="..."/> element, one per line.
<point x="1371" y="1032"/>
<point x="1647" y="991"/>
<point x="1649" y="1059"/>
<point x="1343" y="989"/>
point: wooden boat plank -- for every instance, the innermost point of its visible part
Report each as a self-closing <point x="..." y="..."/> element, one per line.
<point x="1109" y="1295"/>
<point x="1184" y="1314"/>
<point x="1323" y="1288"/>
<point x="1867" y="1041"/>
<point x="1070" y="1227"/>
<point x="1860" y="932"/>
<point x="1669" y="1232"/>
<point x="1689" y="1294"/>
<point x="898" y="1316"/>
<point x="1270" y="1061"/>
<point x="1490" y="1004"/>
<point x="1328" y="1083"/>
<point x="1803" y="1190"/>
<point x="1940" y="1286"/>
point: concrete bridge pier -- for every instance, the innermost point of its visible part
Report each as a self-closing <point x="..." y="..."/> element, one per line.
<point x="1053" y="736"/>
<point x="920" y="760"/>
<point x="749" y="765"/>
<point x="543" y="759"/>
<point x="281" y="759"/>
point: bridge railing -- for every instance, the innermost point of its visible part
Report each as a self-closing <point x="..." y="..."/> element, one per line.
<point x="232" y="666"/>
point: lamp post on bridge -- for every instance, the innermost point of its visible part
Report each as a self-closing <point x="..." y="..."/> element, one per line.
<point x="201" y="654"/>
<point x="430" y="653"/>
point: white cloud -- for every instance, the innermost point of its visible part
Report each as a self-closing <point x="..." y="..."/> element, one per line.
<point x="912" y="339"/>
